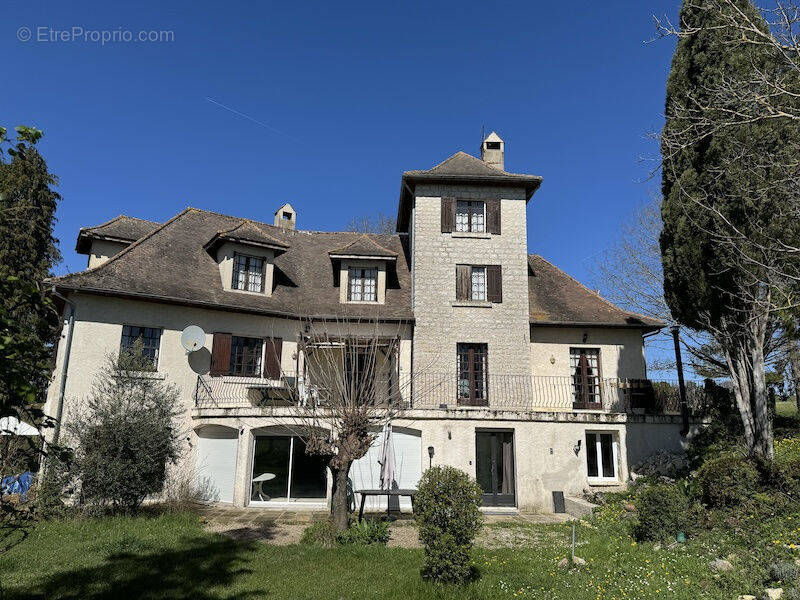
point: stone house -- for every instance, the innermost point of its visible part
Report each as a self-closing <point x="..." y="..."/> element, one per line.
<point x="518" y="374"/>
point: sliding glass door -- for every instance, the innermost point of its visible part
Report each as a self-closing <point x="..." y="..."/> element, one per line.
<point x="282" y="471"/>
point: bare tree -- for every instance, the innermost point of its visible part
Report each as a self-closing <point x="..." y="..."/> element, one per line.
<point x="379" y="223"/>
<point x="348" y="386"/>
<point x="630" y="274"/>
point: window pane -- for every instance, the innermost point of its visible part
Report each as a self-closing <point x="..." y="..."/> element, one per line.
<point x="255" y="272"/>
<point x="308" y="473"/>
<point x="271" y="457"/>
<point x="479" y="283"/>
<point x="591" y="454"/>
<point x="477" y="216"/>
<point x="149" y="336"/>
<point x="245" y="356"/>
<point x="462" y="215"/>
<point x="606" y="444"/>
<point x="584" y="364"/>
<point x="362" y="285"/>
<point x="370" y="285"/>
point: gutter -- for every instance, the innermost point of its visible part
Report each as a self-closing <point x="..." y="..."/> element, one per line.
<point x="65" y="363"/>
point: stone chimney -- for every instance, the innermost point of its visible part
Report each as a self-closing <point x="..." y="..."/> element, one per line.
<point x="493" y="150"/>
<point x="286" y="217"/>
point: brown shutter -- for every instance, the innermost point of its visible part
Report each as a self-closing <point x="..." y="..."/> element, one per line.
<point x="463" y="287"/>
<point x="448" y="215"/>
<point x="493" y="216"/>
<point x="494" y="283"/>
<point x="272" y="358"/>
<point x="221" y="354"/>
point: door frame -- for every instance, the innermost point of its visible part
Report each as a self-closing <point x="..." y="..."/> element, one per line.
<point x="495" y="499"/>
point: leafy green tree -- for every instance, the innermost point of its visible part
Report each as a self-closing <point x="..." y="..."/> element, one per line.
<point x="28" y="252"/>
<point x="725" y="200"/>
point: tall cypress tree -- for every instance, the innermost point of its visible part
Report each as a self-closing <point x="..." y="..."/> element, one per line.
<point x="28" y="252"/>
<point x="716" y="182"/>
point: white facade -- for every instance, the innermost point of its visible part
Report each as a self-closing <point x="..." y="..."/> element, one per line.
<point x="524" y="436"/>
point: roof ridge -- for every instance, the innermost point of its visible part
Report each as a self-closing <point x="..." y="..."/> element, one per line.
<point x="593" y="292"/>
<point x="131" y="247"/>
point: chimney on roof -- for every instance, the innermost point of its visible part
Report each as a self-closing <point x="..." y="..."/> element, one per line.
<point x="286" y="217"/>
<point x="493" y="150"/>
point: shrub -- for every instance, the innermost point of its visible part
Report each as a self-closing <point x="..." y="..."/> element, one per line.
<point x="791" y="594"/>
<point x="727" y="481"/>
<point x="125" y="434"/>
<point x="447" y="508"/>
<point x="365" y="533"/>
<point x="663" y="511"/>
<point x="322" y="533"/>
<point x="785" y="572"/>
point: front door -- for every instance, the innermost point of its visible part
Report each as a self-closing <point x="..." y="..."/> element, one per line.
<point x="495" y="467"/>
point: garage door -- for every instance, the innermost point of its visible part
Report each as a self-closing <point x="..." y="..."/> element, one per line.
<point x="216" y="463"/>
<point x="365" y="473"/>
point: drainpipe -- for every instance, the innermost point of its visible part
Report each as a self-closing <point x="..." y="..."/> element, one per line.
<point x="681" y="385"/>
<point x="65" y="364"/>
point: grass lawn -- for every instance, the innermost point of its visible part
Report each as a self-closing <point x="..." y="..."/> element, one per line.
<point x="170" y="556"/>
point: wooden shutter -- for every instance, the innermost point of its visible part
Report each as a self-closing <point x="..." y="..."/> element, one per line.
<point x="493" y="216"/>
<point x="221" y="354"/>
<point x="463" y="282"/>
<point x="448" y="214"/>
<point x="494" y="283"/>
<point x="272" y="358"/>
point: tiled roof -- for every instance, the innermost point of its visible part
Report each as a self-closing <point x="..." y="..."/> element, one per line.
<point x="170" y="264"/>
<point x="118" y="229"/>
<point x="247" y="232"/>
<point x="460" y="168"/>
<point x="556" y="298"/>
<point x="364" y="246"/>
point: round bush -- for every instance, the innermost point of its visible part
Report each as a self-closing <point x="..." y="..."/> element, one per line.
<point x="663" y="512"/>
<point x="785" y="572"/>
<point x="447" y="509"/>
<point x="727" y="481"/>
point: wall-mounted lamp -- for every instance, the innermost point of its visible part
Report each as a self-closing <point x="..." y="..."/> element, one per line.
<point x="430" y="456"/>
<point x="449" y="435"/>
<point x="577" y="448"/>
<point x="585" y="337"/>
<point x="552" y="359"/>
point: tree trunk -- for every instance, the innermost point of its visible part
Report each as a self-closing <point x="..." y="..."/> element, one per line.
<point x="339" y="508"/>
<point x="794" y="365"/>
<point x="745" y="357"/>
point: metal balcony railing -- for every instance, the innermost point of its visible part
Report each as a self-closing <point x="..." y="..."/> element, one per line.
<point x="440" y="390"/>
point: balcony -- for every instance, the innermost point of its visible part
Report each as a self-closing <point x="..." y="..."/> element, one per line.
<point x="438" y="391"/>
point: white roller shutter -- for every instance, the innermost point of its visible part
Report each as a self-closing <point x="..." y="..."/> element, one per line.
<point x="216" y="463"/>
<point x="365" y="472"/>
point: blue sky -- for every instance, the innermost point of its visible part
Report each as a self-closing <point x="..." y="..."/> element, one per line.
<point x="349" y="96"/>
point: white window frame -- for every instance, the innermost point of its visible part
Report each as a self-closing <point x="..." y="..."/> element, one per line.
<point x="473" y="295"/>
<point x="362" y="279"/>
<point x="598" y="450"/>
<point x="469" y="224"/>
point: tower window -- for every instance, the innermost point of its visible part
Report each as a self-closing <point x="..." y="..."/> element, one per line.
<point x="493" y="145"/>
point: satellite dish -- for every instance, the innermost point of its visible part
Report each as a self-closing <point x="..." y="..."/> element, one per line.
<point x="193" y="338"/>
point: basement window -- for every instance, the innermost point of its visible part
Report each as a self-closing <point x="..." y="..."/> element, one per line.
<point x="602" y="452"/>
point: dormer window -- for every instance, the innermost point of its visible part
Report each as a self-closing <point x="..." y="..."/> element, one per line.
<point x="471" y="216"/>
<point x="287" y="216"/>
<point x="362" y="284"/>
<point x="248" y="273"/>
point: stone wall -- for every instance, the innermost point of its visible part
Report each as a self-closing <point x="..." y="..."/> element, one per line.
<point x="439" y="322"/>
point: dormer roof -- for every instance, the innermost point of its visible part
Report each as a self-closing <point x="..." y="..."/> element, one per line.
<point x="122" y="229"/>
<point x="364" y="247"/>
<point x="248" y="233"/>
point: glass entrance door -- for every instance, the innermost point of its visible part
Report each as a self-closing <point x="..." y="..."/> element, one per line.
<point x="283" y="471"/>
<point x="495" y="467"/>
